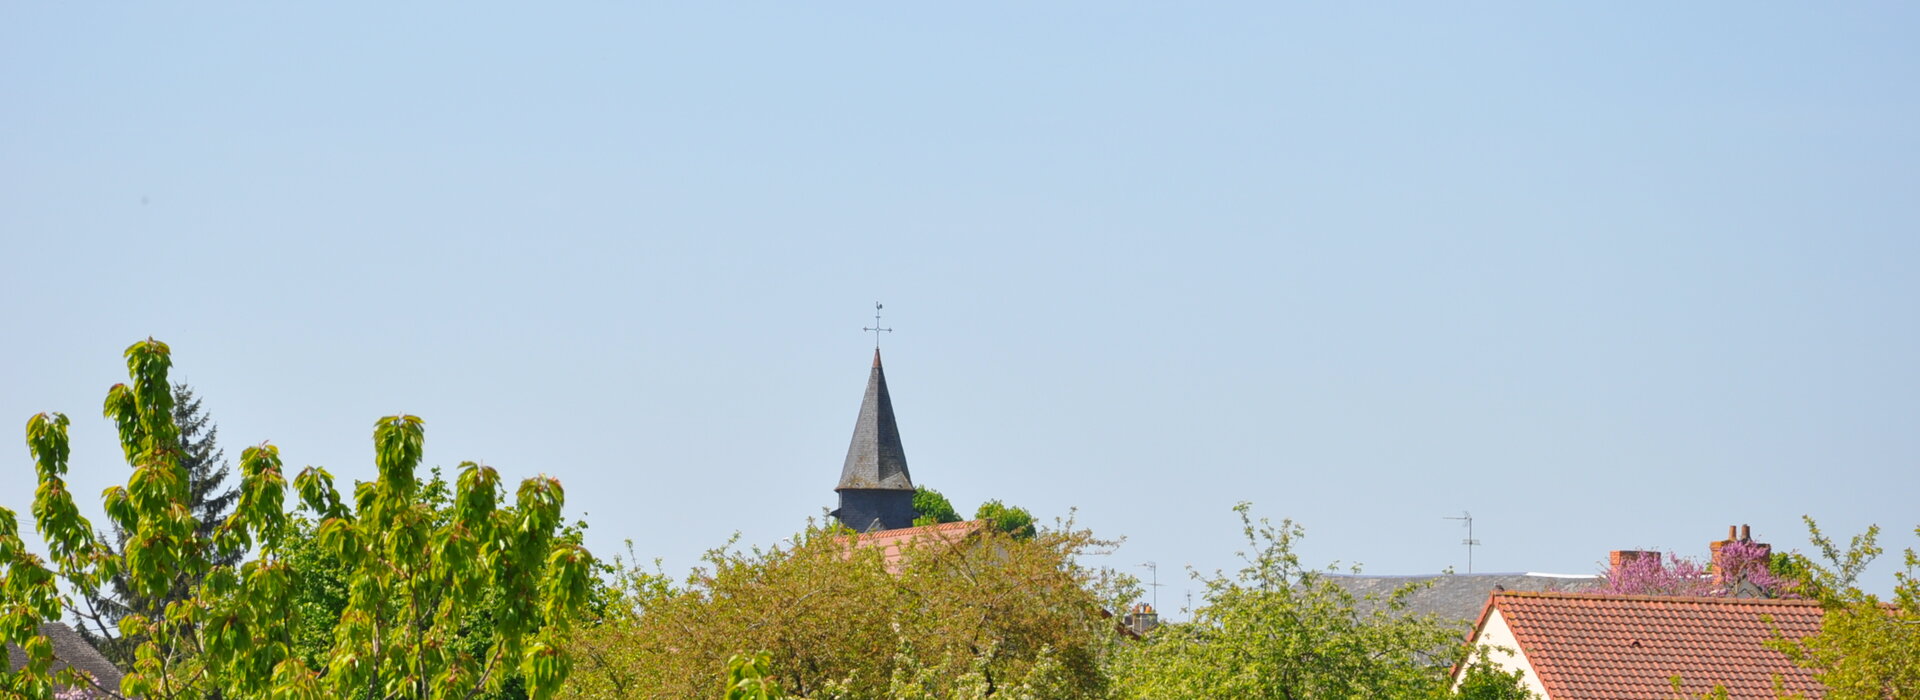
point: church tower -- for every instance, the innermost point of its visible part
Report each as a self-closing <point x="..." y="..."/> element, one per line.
<point x="876" y="493"/>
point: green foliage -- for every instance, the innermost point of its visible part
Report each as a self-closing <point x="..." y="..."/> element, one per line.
<point x="1484" y="680"/>
<point x="320" y="594"/>
<point x="932" y="508"/>
<point x="1866" y="649"/>
<point x="209" y="500"/>
<point x="1277" y="629"/>
<point x="747" y="679"/>
<point x="319" y="582"/>
<point x="414" y="576"/>
<point x="983" y="616"/>
<point x="1012" y="520"/>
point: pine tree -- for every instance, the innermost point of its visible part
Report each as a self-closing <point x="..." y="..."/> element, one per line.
<point x="207" y="472"/>
<point x="207" y="468"/>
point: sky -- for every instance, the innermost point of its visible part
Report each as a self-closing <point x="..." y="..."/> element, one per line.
<point x="1607" y="276"/>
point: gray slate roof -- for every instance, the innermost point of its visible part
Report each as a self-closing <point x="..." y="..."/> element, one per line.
<point x="70" y="650"/>
<point x="875" y="459"/>
<point x="1457" y="597"/>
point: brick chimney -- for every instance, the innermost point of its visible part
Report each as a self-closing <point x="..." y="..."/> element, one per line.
<point x="1722" y="563"/>
<point x="1618" y="560"/>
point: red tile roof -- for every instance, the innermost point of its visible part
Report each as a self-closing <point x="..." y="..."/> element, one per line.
<point x="1584" y="646"/>
<point x="891" y="542"/>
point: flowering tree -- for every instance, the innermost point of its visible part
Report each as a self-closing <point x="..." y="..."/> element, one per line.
<point x="414" y="572"/>
<point x="1744" y="568"/>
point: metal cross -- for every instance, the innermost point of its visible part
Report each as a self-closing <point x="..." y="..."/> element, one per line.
<point x="876" y="329"/>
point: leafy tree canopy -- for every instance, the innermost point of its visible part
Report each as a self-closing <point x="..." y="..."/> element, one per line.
<point x="932" y="508"/>
<point x="1277" y="629"/>
<point x="1866" y="649"/>
<point x="209" y="499"/>
<point x="1482" y="680"/>
<point x="1013" y="520"/>
<point x="414" y="575"/>
<point x="986" y="616"/>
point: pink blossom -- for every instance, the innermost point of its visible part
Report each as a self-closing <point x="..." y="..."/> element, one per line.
<point x="1742" y="571"/>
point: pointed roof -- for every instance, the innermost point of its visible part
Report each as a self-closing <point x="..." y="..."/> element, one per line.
<point x="1584" y="646"/>
<point x="875" y="459"/>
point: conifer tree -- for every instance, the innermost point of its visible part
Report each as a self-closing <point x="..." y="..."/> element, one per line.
<point x="210" y="500"/>
<point x="207" y="469"/>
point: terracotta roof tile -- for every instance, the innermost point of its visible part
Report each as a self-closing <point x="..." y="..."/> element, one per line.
<point x="891" y="543"/>
<point x="1584" y="646"/>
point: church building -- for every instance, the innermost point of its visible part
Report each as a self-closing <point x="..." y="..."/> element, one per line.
<point x="876" y="493"/>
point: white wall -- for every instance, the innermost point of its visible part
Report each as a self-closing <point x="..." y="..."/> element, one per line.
<point x="1498" y="639"/>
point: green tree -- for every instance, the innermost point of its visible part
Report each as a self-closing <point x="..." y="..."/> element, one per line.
<point x="932" y="508"/>
<point x="1866" y="649"/>
<point x="209" y="500"/>
<point x="320" y="591"/>
<point x="1012" y="520"/>
<point x="747" y="679"/>
<point x="1277" y="629"/>
<point x="415" y="575"/>
<point x="1483" y="680"/>
<point x="987" y="616"/>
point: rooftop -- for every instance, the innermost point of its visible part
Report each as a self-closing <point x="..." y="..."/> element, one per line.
<point x="1593" y="647"/>
<point x="69" y="649"/>
<point x="893" y="543"/>
<point x="1456" y="598"/>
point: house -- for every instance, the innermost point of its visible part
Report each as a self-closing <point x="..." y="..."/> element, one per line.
<point x="1630" y="635"/>
<point x="69" y="650"/>
<point x="1585" y="646"/>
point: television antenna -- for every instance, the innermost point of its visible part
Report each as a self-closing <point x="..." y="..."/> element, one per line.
<point x="1470" y="542"/>
<point x="1155" y="568"/>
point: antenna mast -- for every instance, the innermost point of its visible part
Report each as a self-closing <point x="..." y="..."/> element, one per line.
<point x="1470" y="542"/>
<point x="1155" y="568"/>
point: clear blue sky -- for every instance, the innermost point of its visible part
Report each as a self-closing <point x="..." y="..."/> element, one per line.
<point x="1611" y="276"/>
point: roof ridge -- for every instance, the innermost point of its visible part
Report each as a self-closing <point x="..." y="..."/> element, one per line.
<point x="1569" y="595"/>
<point x="956" y="525"/>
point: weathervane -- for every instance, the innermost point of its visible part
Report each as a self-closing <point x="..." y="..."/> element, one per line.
<point x="875" y="330"/>
<point x="1470" y="542"/>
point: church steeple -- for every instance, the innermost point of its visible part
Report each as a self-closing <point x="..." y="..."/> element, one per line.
<point x="876" y="492"/>
<point x="875" y="459"/>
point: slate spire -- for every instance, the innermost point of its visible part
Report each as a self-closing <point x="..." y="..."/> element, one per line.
<point x="876" y="492"/>
<point x="875" y="459"/>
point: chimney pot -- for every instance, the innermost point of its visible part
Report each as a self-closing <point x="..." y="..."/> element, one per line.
<point x="1746" y="533"/>
<point x="1732" y="532"/>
